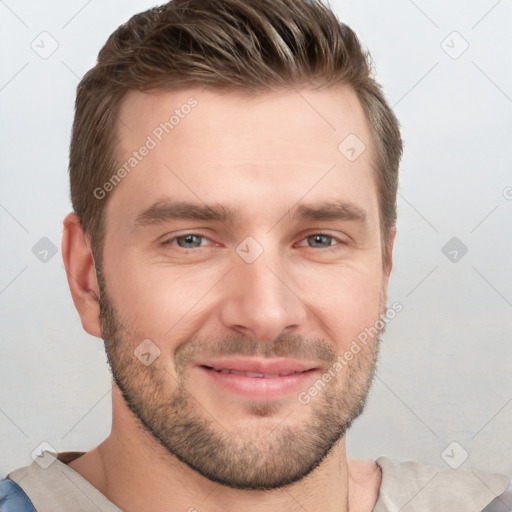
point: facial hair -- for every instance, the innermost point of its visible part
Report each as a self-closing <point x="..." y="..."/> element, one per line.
<point x="258" y="458"/>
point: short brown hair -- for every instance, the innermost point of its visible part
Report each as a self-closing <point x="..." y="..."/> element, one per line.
<point x="251" y="45"/>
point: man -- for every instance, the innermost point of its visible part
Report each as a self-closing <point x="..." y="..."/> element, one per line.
<point x="234" y="171"/>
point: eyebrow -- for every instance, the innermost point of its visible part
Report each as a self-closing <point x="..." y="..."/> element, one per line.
<point x="167" y="210"/>
<point x="331" y="211"/>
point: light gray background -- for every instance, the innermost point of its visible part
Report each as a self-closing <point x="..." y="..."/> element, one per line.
<point x="445" y="373"/>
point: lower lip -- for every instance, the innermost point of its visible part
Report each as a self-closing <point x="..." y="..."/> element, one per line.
<point x="259" y="388"/>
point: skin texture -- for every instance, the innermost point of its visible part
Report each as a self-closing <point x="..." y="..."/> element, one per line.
<point x="176" y="434"/>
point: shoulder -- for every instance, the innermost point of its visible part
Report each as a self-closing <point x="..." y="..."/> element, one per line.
<point x="52" y="485"/>
<point x="503" y="503"/>
<point x="13" y="498"/>
<point x="414" y="486"/>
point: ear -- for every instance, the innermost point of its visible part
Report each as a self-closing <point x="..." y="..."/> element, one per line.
<point x="81" y="274"/>
<point x="388" y="264"/>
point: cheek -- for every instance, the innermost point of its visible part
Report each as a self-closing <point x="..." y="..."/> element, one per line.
<point x="157" y="301"/>
<point x="348" y="303"/>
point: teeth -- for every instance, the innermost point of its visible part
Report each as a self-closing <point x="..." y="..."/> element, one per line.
<point x="255" y="375"/>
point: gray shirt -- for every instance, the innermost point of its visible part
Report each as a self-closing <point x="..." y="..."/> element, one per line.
<point x="53" y="486"/>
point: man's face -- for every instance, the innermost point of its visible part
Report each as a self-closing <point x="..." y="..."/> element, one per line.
<point x="245" y="245"/>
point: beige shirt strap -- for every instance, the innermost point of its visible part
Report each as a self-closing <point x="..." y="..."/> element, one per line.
<point x="413" y="487"/>
<point x="54" y="487"/>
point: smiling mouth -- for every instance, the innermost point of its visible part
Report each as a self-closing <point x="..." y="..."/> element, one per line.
<point x="255" y="375"/>
<point x="257" y="378"/>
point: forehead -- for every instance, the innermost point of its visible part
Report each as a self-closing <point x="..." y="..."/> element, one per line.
<point x="301" y="113"/>
<point x="231" y="147"/>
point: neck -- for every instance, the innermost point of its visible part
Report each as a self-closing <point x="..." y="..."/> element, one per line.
<point x="130" y="459"/>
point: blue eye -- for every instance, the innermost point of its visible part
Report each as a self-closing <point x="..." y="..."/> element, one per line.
<point x="318" y="240"/>
<point x="197" y="240"/>
<point x="189" y="241"/>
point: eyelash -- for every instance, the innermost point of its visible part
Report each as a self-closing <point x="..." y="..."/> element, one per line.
<point x="200" y="235"/>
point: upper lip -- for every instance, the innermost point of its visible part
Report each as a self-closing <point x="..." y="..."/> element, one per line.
<point x="277" y="366"/>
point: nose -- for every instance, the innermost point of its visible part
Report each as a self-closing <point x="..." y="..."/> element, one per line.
<point x="260" y="300"/>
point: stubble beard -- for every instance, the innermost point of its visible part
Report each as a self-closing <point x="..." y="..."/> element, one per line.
<point x="257" y="458"/>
